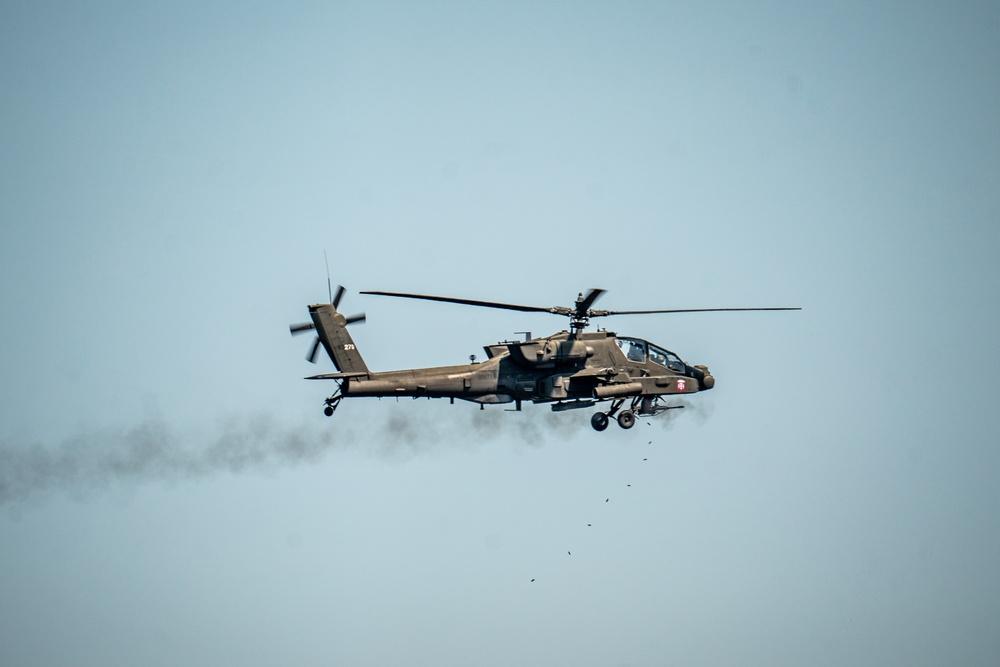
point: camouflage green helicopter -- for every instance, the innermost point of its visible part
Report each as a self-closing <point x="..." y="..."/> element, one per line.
<point x="570" y="370"/>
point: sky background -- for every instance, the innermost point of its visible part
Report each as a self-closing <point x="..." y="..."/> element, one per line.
<point x="172" y="173"/>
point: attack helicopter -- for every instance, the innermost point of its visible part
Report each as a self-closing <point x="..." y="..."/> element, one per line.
<point x="571" y="369"/>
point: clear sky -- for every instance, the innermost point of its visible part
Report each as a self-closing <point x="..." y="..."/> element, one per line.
<point x="172" y="173"/>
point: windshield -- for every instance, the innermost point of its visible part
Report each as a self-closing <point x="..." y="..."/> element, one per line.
<point x="633" y="348"/>
<point x="665" y="358"/>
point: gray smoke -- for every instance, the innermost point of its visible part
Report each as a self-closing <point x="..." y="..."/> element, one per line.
<point x="699" y="410"/>
<point x="530" y="426"/>
<point x="413" y="428"/>
<point x="154" y="451"/>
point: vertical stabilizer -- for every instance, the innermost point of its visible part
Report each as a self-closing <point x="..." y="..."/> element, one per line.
<point x="331" y="327"/>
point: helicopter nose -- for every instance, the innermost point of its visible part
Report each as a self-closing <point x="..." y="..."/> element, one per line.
<point x="704" y="376"/>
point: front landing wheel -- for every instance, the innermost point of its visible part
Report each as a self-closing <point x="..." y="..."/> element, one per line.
<point x="626" y="419"/>
<point x="599" y="421"/>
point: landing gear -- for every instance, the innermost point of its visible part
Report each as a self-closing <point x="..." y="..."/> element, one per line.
<point x="599" y="421"/>
<point x="640" y="405"/>
<point x="626" y="419"/>
<point x="332" y="403"/>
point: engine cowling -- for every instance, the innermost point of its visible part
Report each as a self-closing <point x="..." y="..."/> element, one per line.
<point x="547" y="353"/>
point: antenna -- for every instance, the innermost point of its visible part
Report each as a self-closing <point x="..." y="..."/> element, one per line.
<point x="329" y="286"/>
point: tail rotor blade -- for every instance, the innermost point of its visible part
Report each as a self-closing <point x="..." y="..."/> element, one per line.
<point x="360" y="317"/>
<point x="311" y="357"/>
<point x="336" y="297"/>
<point x="301" y="328"/>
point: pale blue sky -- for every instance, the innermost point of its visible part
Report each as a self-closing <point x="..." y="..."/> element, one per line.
<point x="171" y="174"/>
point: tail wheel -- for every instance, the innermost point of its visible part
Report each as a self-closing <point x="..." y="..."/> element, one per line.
<point x="626" y="419"/>
<point x="599" y="421"/>
<point x="331" y="403"/>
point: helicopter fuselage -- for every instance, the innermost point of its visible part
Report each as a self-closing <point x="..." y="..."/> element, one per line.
<point x="570" y="370"/>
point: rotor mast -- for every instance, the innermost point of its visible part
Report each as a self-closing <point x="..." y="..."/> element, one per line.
<point x="580" y="315"/>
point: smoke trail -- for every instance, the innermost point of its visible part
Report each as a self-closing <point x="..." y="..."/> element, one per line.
<point x="153" y="451"/>
<point x="411" y="429"/>
<point x="699" y="410"/>
<point x="150" y="451"/>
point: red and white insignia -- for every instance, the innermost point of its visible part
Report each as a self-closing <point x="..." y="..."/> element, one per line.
<point x="680" y="385"/>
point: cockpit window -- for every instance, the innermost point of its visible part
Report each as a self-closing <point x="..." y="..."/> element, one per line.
<point x="666" y="358"/>
<point x="633" y="349"/>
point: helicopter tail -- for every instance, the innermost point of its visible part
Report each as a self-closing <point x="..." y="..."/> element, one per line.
<point x="331" y="329"/>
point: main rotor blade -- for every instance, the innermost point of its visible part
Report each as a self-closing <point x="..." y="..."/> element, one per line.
<point x="301" y="328"/>
<point x="360" y="317"/>
<point x="588" y="301"/>
<point x="473" y="302"/>
<point x="311" y="357"/>
<point x="602" y="313"/>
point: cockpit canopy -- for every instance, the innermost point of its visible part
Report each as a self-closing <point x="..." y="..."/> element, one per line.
<point x="636" y="350"/>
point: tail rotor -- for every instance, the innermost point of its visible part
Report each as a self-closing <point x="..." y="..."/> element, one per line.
<point x="296" y="329"/>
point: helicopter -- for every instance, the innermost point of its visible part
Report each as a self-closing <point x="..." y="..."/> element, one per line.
<point x="572" y="369"/>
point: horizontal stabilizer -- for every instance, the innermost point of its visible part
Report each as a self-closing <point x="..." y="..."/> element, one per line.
<point x="338" y="376"/>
